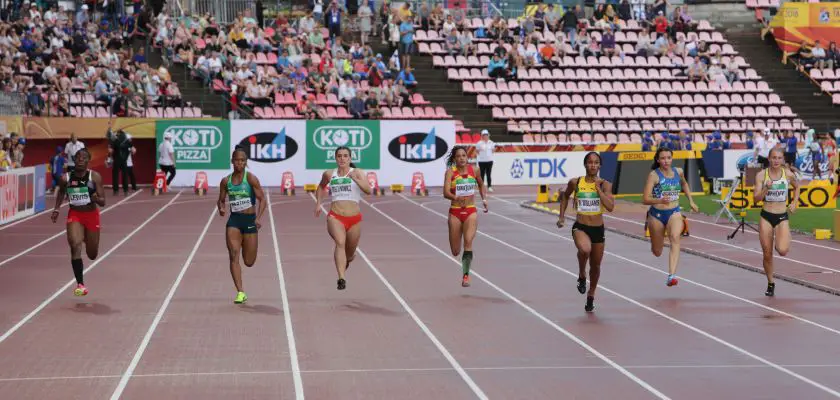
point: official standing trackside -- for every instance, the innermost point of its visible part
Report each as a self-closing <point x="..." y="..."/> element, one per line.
<point x="763" y="145"/>
<point x="166" y="160"/>
<point x="70" y="149"/>
<point x="485" y="148"/>
<point x="120" y="148"/>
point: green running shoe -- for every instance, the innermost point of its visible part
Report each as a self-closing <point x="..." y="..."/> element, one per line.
<point x="241" y="297"/>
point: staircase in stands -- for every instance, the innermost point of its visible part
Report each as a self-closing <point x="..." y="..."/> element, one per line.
<point x="797" y="91"/>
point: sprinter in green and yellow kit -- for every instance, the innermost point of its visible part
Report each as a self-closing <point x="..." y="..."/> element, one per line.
<point x="592" y="195"/>
<point x="242" y="190"/>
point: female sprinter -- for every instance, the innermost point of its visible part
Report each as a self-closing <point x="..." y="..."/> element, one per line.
<point x="592" y="196"/>
<point x="241" y="189"/>
<point x="771" y="186"/>
<point x="462" y="181"/>
<point x="344" y="184"/>
<point x="81" y="186"/>
<point x="662" y="194"/>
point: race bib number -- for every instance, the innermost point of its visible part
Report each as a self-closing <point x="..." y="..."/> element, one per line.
<point x="341" y="188"/>
<point x="776" y="194"/>
<point x="239" y="205"/>
<point x="79" y="196"/>
<point x="588" y="203"/>
<point x="464" y="189"/>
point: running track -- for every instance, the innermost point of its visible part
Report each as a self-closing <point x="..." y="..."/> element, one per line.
<point x="160" y="323"/>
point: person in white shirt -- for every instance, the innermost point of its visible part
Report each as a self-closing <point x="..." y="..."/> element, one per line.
<point x="763" y="145"/>
<point x="166" y="159"/>
<point x="485" y="148"/>
<point x="70" y="149"/>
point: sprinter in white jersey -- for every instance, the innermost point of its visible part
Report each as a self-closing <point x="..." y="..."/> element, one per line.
<point x="772" y="186"/>
<point x="345" y="184"/>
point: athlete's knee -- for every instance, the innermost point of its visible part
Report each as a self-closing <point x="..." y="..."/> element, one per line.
<point x="782" y="251"/>
<point x="92" y="255"/>
<point x="250" y="263"/>
<point x="656" y="251"/>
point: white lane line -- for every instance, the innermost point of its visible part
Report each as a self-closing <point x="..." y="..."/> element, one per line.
<point x="533" y="312"/>
<point x="148" y="337"/>
<point x="661" y="314"/>
<point x="399" y="370"/>
<point x="45" y="241"/>
<point x="657" y="270"/>
<point x="443" y="350"/>
<point x="70" y="283"/>
<point x="287" y="314"/>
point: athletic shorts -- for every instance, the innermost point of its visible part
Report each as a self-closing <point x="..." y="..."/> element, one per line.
<point x="462" y="213"/>
<point x="790" y="159"/>
<point x="663" y="215"/>
<point x="88" y="219"/>
<point x="246" y="223"/>
<point x="774" y="219"/>
<point x="595" y="233"/>
<point x="348" y="222"/>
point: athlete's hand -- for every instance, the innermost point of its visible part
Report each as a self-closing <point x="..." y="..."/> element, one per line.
<point x="54" y="216"/>
<point x="561" y="221"/>
<point x="792" y="206"/>
<point x="317" y="210"/>
<point x="485" y="205"/>
<point x="259" y="225"/>
<point x="221" y="211"/>
<point x="694" y="207"/>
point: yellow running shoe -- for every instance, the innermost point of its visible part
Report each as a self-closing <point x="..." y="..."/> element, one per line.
<point x="241" y="297"/>
<point x="81" y="290"/>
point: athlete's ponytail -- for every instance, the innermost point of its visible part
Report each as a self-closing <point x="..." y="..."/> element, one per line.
<point x="352" y="165"/>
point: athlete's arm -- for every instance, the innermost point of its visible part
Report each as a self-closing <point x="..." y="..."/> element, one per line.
<point x="59" y="197"/>
<point x="359" y="178"/>
<point x="760" y="189"/>
<point x="481" y="189"/>
<point x="322" y="186"/>
<point x="687" y="190"/>
<point x="795" y="200"/>
<point x="564" y="201"/>
<point x="647" y="194"/>
<point x="98" y="196"/>
<point x="605" y="193"/>
<point x="260" y="195"/>
<point x="222" y="196"/>
<point x="447" y="182"/>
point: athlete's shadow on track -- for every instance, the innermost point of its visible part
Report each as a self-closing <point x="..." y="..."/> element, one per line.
<point x="369" y="309"/>
<point x="261" y="309"/>
<point x="485" y="299"/>
<point x="94" y="308"/>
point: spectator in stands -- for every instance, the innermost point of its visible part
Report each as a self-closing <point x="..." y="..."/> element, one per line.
<point x="498" y="69"/>
<point x="608" y="43"/>
<point x="34" y="102"/>
<point x="406" y="40"/>
<point x="805" y="57"/>
<point x="749" y="142"/>
<point x="643" y="44"/>
<point x="832" y="56"/>
<point x="436" y="17"/>
<point x="406" y="78"/>
<point x="819" y="54"/>
<point x="333" y="20"/>
<point x="639" y="10"/>
<point x="647" y="142"/>
<point x="366" y="19"/>
<point x="697" y="71"/>
<point x="685" y="140"/>
<point x="451" y="43"/>
<point x="357" y="106"/>
<point x="569" y="23"/>
<point x="625" y="11"/>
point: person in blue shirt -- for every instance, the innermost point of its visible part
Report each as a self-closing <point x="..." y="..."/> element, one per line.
<point x="750" y="142"/>
<point x="647" y="142"/>
<point x="407" y="78"/>
<point x="57" y="166"/>
<point x="406" y="41"/>
<point x="685" y="140"/>
<point x="711" y="143"/>
<point x="790" y="145"/>
<point x="727" y="144"/>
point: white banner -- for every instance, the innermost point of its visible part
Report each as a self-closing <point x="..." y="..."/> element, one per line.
<point x="18" y="193"/>
<point x="537" y="168"/>
<point x="414" y="146"/>
<point x="733" y="159"/>
<point x="274" y="147"/>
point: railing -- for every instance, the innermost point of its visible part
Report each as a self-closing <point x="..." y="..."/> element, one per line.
<point x="225" y="11"/>
<point x="12" y="104"/>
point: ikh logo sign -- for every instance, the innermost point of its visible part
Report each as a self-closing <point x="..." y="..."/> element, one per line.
<point x="418" y="147"/>
<point x="269" y="147"/>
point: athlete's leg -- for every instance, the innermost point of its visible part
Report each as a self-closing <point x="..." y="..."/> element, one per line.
<point x="469" y="227"/>
<point x="782" y="233"/>
<point x="234" y="245"/>
<point x="250" y="245"/>
<point x="584" y="247"/>
<point x="595" y="258"/>
<point x="351" y="242"/>
<point x="455" y="235"/>
<point x="75" y="238"/>
<point x="657" y="235"/>
<point x="765" y="237"/>
<point x="92" y="244"/>
<point x="339" y="235"/>
<point x="674" y="228"/>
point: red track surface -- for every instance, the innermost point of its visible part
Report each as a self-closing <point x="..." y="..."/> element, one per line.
<point x="160" y="323"/>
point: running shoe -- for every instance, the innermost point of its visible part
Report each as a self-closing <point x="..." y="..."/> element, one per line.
<point x="771" y="290"/>
<point x="241" y="297"/>
<point x="590" y="304"/>
<point x="672" y="280"/>
<point x="581" y="287"/>
<point x="342" y="284"/>
<point x="81" y="290"/>
<point x="465" y="282"/>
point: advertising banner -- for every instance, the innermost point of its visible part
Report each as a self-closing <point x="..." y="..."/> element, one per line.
<point x="537" y="168"/>
<point x="199" y="146"/>
<point x="324" y="137"/>
<point x="22" y="193"/>
<point x="408" y="147"/>
<point x="273" y="148"/>
<point x="806" y="22"/>
<point x="813" y="195"/>
<point x="735" y="159"/>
